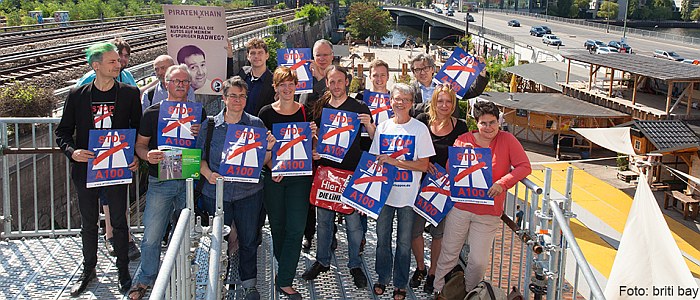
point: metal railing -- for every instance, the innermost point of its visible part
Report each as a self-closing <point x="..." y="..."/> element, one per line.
<point x="174" y="279"/>
<point x="640" y="32"/>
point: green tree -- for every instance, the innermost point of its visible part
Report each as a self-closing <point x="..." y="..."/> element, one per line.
<point x="608" y="10"/>
<point x="272" y="46"/>
<point x="368" y="20"/>
<point x="661" y="13"/>
<point x="685" y="10"/>
<point x="563" y="8"/>
<point x="313" y="13"/>
<point x="695" y="14"/>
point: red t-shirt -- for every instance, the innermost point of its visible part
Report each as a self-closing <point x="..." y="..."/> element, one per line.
<point x="510" y="165"/>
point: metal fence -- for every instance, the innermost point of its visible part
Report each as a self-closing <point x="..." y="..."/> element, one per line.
<point x="640" y="32"/>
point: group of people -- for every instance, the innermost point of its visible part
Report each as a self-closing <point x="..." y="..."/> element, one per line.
<point x="424" y="111"/>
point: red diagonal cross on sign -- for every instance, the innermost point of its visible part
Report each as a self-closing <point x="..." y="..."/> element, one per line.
<point x="469" y="170"/>
<point x="243" y="149"/>
<point x="180" y="122"/>
<point x="299" y="64"/>
<point x="337" y="131"/>
<point x="380" y="109"/>
<point x="399" y="153"/>
<point x="435" y="189"/>
<point x="109" y="152"/>
<point x="368" y="179"/>
<point x="102" y="117"/>
<point x="459" y="68"/>
<point x="291" y="144"/>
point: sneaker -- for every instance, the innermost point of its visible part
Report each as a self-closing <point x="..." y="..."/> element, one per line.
<point x="134" y="252"/>
<point x="428" y="288"/>
<point x="109" y="245"/>
<point x="359" y="278"/>
<point x="251" y="293"/>
<point x="313" y="272"/>
<point x="417" y="277"/>
<point x="82" y="283"/>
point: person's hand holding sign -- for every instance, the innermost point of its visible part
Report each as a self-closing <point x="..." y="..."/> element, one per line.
<point x="155" y="156"/>
<point x="82" y="155"/>
<point x="495" y="190"/>
<point x="483" y="61"/>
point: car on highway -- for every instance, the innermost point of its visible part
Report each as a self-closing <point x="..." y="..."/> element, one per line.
<point x="551" y="39"/>
<point x="469" y="18"/>
<point x="514" y="23"/>
<point x="537" y="31"/>
<point x="546" y="29"/>
<point x="438" y="10"/>
<point x="692" y="61"/>
<point x="592" y="45"/>
<point x="605" y="50"/>
<point x="450" y="13"/>
<point x="620" y="46"/>
<point x="670" y="55"/>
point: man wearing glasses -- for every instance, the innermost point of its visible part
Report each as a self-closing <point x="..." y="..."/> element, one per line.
<point x="323" y="57"/>
<point x="163" y="197"/>
<point x="423" y="67"/>
<point x="159" y="92"/>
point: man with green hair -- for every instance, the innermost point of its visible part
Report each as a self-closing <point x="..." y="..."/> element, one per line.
<point x="102" y="104"/>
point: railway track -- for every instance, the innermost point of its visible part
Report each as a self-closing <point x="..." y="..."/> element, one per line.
<point x="45" y="62"/>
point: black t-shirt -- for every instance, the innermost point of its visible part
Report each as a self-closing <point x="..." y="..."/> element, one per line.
<point x="269" y="116"/>
<point x="103" y="106"/>
<point x="441" y="143"/>
<point x="352" y="156"/>
<point x="149" y="128"/>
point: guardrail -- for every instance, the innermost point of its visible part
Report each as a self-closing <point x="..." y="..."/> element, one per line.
<point x="174" y="279"/>
<point x="640" y="32"/>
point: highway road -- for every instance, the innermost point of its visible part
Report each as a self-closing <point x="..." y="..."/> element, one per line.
<point x="572" y="35"/>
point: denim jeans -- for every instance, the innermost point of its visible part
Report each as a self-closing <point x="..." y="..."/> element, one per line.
<point x="162" y="200"/>
<point x="353" y="228"/>
<point x="385" y="258"/>
<point x="244" y="213"/>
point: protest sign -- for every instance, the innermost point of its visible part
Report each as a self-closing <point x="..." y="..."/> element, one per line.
<point x="243" y="153"/>
<point x="291" y="155"/>
<point x="369" y="186"/>
<point x="433" y="201"/>
<point x="180" y="164"/>
<point x="327" y="189"/>
<point x="337" y="133"/>
<point x="114" y="151"/>
<point x="175" y="120"/>
<point x="380" y="107"/>
<point x="460" y="71"/>
<point x="471" y="175"/>
<point x="299" y="60"/>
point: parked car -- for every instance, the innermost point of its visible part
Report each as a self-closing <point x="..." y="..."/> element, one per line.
<point x="692" y="61"/>
<point x="605" y="50"/>
<point x="469" y="18"/>
<point x="620" y="46"/>
<point x="546" y="29"/>
<point x="537" y="31"/>
<point x="438" y="10"/>
<point x="450" y="13"/>
<point x="592" y="45"/>
<point x="514" y="23"/>
<point x="670" y="55"/>
<point x="551" y="39"/>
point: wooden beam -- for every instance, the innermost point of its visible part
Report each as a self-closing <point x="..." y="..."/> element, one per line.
<point x="634" y="89"/>
<point x="612" y="80"/>
<point x="668" y="97"/>
<point x="590" y="77"/>
<point x="568" y="70"/>
<point x="690" y="99"/>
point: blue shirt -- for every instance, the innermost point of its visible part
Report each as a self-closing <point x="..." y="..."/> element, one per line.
<point x="427" y="92"/>
<point x="159" y="95"/>
<point x="255" y="86"/>
<point x="124" y="77"/>
<point x="232" y="190"/>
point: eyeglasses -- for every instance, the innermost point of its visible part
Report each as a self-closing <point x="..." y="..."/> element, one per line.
<point x="179" y="82"/>
<point x="322" y="55"/>
<point x="421" y="70"/>
<point x="487" y="124"/>
<point x="236" y="97"/>
<point x="401" y="100"/>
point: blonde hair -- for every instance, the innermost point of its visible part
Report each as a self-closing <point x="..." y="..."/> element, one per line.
<point x="432" y="109"/>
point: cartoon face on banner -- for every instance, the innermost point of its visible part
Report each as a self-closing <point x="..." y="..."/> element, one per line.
<point x="337" y="133"/>
<point x="291" y="155"/>
<point x="380" y="107"/>
<point x="460" y="71"/>
<point x="114" y="152"/>
<point x="299" y="60"/>
<point x="243" y="154"/>
<point x="175" y="120"/>
<point x="369" y="186"/>
<point x="471" y="176"/>
<point x="399" y="147"/>
<point x="433" y="201"/>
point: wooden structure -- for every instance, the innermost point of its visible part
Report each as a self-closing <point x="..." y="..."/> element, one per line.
<point x="542" y="77"/>
<point x="626" y="73"/>
<point x="689" y="205"/>
<point x="548" y="117"/>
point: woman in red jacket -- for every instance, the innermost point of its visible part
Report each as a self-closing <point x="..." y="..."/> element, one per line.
<point x="477" y="223"/>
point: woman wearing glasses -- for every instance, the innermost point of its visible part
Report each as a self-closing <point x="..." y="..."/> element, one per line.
<point x="242" y="201"/>
<point x="404" y="142"/>
<point x="444" y="130"/>
<point x="477" y="223"/>
<point x="286" y="198"/>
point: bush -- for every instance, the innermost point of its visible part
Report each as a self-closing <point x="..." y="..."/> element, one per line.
<point x="19" y="100"/>
<point x="272" y="46"/>
<point x="623" y="162"/>
<point x="281" y="6"/>
<point x="281" y="27"/>
<point x="313" y="13"/>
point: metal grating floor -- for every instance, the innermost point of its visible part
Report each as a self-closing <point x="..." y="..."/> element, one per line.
<point x="46" y="268"/>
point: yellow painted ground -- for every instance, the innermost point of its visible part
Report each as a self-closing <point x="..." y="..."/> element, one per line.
<point x="612" y="207"/>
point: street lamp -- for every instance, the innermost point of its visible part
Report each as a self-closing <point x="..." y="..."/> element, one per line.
<point x="624" y="23"/>
<point x="421" y="30"/>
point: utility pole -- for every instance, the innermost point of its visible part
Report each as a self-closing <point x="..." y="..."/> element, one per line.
<point x="624" y="23"/>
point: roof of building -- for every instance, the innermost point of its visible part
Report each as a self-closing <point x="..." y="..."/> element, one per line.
<point x="551" y="104"/>
<point x="639" y="64"/>
<point x="666" y="135"/>
<point x="548" y="73"/>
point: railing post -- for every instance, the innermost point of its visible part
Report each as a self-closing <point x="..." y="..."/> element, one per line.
<point x="6" y="217"/>
<point x="568" y="214"/>
<point x="213" y="288"/>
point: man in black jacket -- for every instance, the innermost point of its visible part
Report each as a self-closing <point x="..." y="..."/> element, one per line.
<point x="102" y="104"/>
<point x="257" y="75"/>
